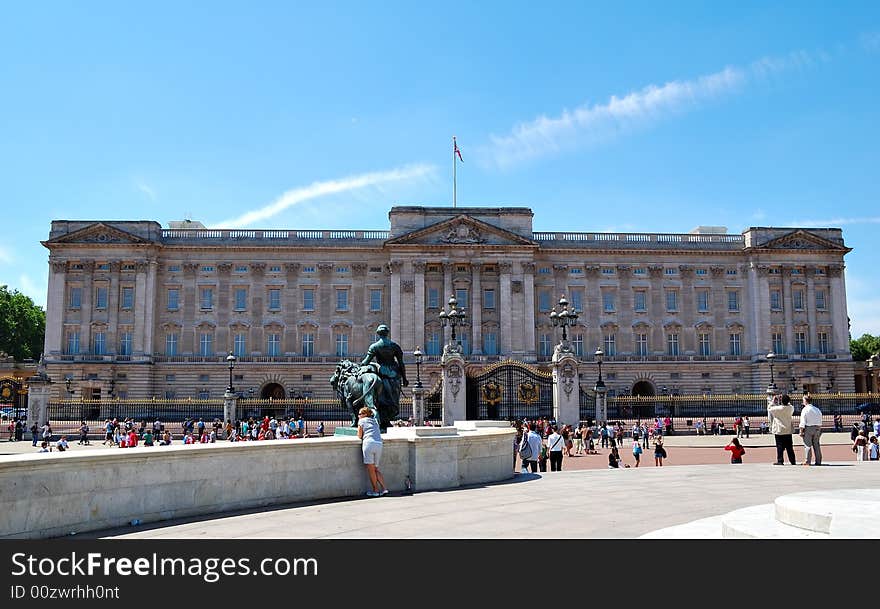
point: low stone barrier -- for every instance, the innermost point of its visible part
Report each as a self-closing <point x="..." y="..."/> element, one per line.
<point x="51" y="495"/>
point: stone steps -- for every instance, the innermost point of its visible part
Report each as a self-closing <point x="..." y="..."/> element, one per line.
<point x="843" y="514"/>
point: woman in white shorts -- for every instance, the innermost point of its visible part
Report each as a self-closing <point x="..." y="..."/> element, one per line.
<point x="371" y="435"/>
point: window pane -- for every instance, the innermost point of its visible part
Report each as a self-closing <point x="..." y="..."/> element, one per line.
<point x="101" y="298"/>
<point x="207" y="300"/>
<point x="75" y="298"/>
<point x="275" y="299"/>
<point x="127" y="298"/>
<point x="240" y="299"/>
<point x="342" y="300"/>
<point x="173" y="295"/>
<point x="433" y="298"/>
<point x="309" y="299"/>
<point x="375" y="300"/>
<point x="488" y="299"/>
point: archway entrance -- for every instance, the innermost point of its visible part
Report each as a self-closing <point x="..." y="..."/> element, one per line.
<point x="644" y="388"/>
<point x="273" y="391"/>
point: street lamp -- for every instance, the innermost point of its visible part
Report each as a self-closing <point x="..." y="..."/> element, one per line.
<point x="452" y="318"/>
<point x="67" y="385"/>
<point x="565" y="317"/>
<point x="417" y="353"/>
<point x="770" y="357"/>
<point x="230" y="362"/>
<point x="598" y="355"/>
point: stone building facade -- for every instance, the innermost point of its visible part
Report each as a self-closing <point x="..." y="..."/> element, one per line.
<point x="135" y="310"/>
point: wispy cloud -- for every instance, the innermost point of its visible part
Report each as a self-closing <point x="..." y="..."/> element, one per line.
<point x="145" y="189"/>
<point x="5" y="255"/>
<point x="590" y="124"/>
<point x="837" y="221"/>
<point x="320" y="189"/>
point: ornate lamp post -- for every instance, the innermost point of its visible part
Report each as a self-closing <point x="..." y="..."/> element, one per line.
<point x="600" y="389"/>
<point x="417" y="354"/>
<point x="230" y="362"/>
<point x="566" y="317"/>
<point x="772" y="386"/>
<point x="452" y="318"/>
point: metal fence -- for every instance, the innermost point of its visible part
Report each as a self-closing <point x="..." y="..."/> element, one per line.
<point x="66" y="415"/>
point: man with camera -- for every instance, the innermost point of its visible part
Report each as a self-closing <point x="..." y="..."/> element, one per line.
<point x="779" y="412"/>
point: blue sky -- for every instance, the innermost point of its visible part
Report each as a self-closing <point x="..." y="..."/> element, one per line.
<point x="637" y="116"/>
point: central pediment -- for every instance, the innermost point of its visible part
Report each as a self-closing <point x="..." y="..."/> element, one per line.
<point x="461" y="230"/>
<point x="801" y="239"/>
<point x="100" y="233"/>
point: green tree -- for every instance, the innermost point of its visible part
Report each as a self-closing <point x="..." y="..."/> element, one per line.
<point x="22" y="325"/>
<point x="864" y="347"/>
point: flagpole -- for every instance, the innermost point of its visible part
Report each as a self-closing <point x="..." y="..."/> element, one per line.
<point x="454" y="185"/>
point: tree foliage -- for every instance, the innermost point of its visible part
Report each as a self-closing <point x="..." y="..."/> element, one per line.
<point x="22" y="325"/>
<point x="864" y="347"/>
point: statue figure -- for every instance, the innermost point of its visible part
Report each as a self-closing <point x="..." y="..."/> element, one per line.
<point x="389" y="357"/>
<point x="357" y="386"/>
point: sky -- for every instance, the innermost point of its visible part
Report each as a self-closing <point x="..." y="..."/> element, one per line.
<point x="636" y="116"/>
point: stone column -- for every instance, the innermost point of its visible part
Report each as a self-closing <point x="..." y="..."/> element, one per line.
<point x="566" y="396"/>
<point x="811" y="312"/>
<point x="625" y="343"/>
<point x="230" y="409"/>
<point x="688" y="311"/>
<point x="418" y="405"/>
<point x="592" y="309"/>
<point x="85" y="328"/>
<point x="291" y="308"/>
<point x="327" y="303"/>
<point x="55" y="307"/>
<point x="407" y="313"/>
<point x="787" y="304"/>
<point x="528" y="270"/>
<point x="840" y="320"/>
<point x="140" y="308"/>
<point x="190" y="306"/>
<point x="454" y="392"/>
<point x="759" y="292"/>
<point x="601" y="404"/>
<point x="476" y="309"/>
<point x="505" y="303"/>
<point x="657" y="312"/>
<point x="222" y="339"/>
<point x="360" y="298"/>
<point x="153" y="303"/>
<point x="113" y="307"/>
<point x="396" y="266"/>
<point x="39" y="386"/>
<point x="419" y="306"/>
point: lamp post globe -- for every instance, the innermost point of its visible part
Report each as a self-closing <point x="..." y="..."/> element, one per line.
<point x="417" y="354"/>
<point x="452" y="318"/>
<point x="230" y="362"/>
<point x="771" y="357"/>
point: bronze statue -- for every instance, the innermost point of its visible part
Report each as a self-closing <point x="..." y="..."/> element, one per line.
<point x="357" y="386"/>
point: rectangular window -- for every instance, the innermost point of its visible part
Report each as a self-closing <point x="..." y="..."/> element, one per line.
<point x="308" y="269"/>
<point x="173" y="268"/>
<point x="641" y="344"/>
<point x="342" y="300"/>
<point x="127" y="298"/>
<point x="206" y="344"/>
<point x="700" y="272"/>
<point x="703" y="301"/>
<point x="797" y="298"/>
<point x="125" y="343"/>
<point x="776" y="300"/>
<point x="576" y="271"/>
<point x="800" y="342"/>
<point x="375" y="300"/>
<point x="241" y="269"/>
<point x="240" y="299"/>
<point x="731" y="271"/>
<point x="274" y="299"/>
<point x="544" y="270"/>
<point x="670" y="271"/>
<point x="671" y="300"/>
<point x="820" y="300"/>
<point x="461" y="295"/>
<point x="308" y="299"/>
<point x="736" y="344"/>
<point x="207" y="299"/>
<point x="75" y="301"/>
<point x="490" y="343"/>
<point x="341" y="345"/>
<point x="610" y="343"/>
<point x="544" y="301"/>
<point x="672" y="343"/>
<point x="640" y="271"/>
<point x="544" y="345"/>
<point x="823" y="342"/>
<point x="640" y="301"/>
<point x="433" y="298"/>
<point x="100" y="298"/>
<point x="273" y="345"/>
<point x="72" y="343"/>
<point x="204" y="394"/>
<point x="204" y="378"/>
<point x="577" y="300"/>
<point x="432" y="345"/>
<point x="173" y="299"/>
<point x="608" y="301"/>
<point x="171" y="343"/>
<point x="577" y="343"/>
<point x="275" y="269"/>
<point x="100" y="346"/>
<point x="239" y="344"/>
<point x="705" y="343"/>
<point x="607" y="270"/>
<point x="732" y="301"/>
<point x="778" y="343"/>
<point x="488" y="299"/>
<point x="308" y="344"/>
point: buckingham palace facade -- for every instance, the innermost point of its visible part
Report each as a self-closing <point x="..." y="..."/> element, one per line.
<point x="136" y="310"/>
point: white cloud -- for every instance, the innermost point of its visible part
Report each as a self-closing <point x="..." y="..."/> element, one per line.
<point x="145" y="189"/>
<point x="319" y="189"/>
<point x="6" y="256"/>
<point x="590" y="124"/>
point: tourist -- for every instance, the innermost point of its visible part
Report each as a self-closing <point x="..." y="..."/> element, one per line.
<point x="603" y="433"/>
<point x="320" y="429"/>
<point x="132" y="439"/>
<point x="201" y="426"/>
<point x="659" y="453"/>
<point x="779" y="411"/>
<point x="108" y="432"/>
<point x="645" y="436"/>
<point x="860" y="445"/>
<point x="637" y="451"/>
<point x="613" y="458"/>
<point x="667" y="423"/>
<point x="148" y="437"/>
<point x="713" y="429"/>
<point x="19" y="430"/>
<point x="746" y="424"/>
<point x="83" y="434"/>
<point x="530" y="448"/>
<point x="188" y="438"/>
<point x="698" y="426"/>
<point x="301" y="426"/>
<point x="371" y="447"/>
<point x="873" y="449"/>
<point x="555" y="448"/>
<point x="35" y="431"/>
<point x="62" y="444"/>
<point x="44" y="447"/>
<point x="166" y="439"/>
<point x="738" y="426"/>
<point x="811" y="430"/>
<point x="877" y="427"/>
<point x="721" y="427"/>
<point x="47" y="432"/>
<point x="838" y="422"/>
<point x="764" y="427"/>
<point x="736" y="450"/>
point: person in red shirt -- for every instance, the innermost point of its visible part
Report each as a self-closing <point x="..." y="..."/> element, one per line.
<point x="132" y="439"/>
<point x="736" y="451"/>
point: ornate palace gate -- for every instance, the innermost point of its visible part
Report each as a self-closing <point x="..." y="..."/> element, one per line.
<point x="509" y="390"/>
